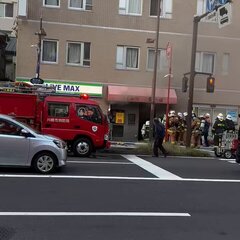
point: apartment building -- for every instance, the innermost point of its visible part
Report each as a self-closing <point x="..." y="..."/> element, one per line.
<point x="106" y="48"/>
<point x="8" y="13"/>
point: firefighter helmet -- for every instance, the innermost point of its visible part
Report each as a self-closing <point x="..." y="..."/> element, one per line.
<point x="220" y="116"/>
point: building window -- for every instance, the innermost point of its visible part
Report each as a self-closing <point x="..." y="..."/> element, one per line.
<point x="80" y="4"/>
<point x="6" y="10"/>
<point x="225" y="64"/>
<point x="49" y="51"/>
<point x="51" y="3"/>
<point x="131" y="118"/>
<point x="162" y="59"/>
<point x="127" y="57"/>
<point x="117" y="131"/>
<point x="205" y="62"/>
<point x="78" y="53"/>
<point x="166" y="8"/>
<point x="130" y="7"/>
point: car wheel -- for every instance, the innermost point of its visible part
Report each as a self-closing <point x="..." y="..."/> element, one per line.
<point x="45" y="162"/>
<point x="217" y="154"/>
<point x="228" y="154"/>
<point x="82" y="147"/>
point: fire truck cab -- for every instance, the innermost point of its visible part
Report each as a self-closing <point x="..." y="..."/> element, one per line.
<point x="77" y="120"/>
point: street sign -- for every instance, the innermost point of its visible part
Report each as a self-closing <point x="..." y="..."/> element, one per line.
<point x="212" y="4"/>
<point x="211" y="17"/>
<point x="224" y="15"/>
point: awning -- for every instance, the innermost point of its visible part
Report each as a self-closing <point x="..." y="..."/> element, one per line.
<point x="140" y="94"/>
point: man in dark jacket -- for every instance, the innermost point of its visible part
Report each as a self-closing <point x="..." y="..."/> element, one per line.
<point x="159" y="134"/>
<point x="206" y="128"/>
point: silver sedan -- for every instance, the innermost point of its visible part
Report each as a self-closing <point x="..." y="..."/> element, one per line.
<point x="20" y="145"/>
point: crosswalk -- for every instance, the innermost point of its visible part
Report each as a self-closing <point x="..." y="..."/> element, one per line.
<point x="230" y="160"/>
<point x="151" y="168"/>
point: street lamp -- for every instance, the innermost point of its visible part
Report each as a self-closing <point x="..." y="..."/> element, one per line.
<point x="152" y="110"/>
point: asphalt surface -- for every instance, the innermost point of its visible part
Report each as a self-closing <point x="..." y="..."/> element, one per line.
<point x="106" y="197"/>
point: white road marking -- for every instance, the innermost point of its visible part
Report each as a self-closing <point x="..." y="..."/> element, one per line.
<point x="127" y="214"/>
<point x="230" y="160"/>
<point x="153" y="169"/>
<point x="224" y="159"/>
<point x="119" y="178"/>
<point x="100" y="162"/>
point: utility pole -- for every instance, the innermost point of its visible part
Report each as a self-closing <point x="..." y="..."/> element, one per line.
<point x="169" y="55"/>
<point x="196" y="20"/>
<point x="152" y="110"/>
<point x="41" y="33"/>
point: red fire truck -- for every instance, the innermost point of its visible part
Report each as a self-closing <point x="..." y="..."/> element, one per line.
<point x="77" y="120"/>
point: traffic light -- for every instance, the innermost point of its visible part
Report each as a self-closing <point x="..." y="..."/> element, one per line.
<point x="210" y="84"/>
<point x="184" y="84"/>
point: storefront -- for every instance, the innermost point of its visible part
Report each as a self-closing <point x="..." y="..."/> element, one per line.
<point x="130" y="109"/>
<point x="214" y="110"/>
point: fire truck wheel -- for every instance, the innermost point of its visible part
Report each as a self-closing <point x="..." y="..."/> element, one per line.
<point x="82" y="147"/>
<point x="217" y="153"/>
<point x="44" y="162"/>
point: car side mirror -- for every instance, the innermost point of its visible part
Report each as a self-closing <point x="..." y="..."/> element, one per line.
<point x="24" y="132"/>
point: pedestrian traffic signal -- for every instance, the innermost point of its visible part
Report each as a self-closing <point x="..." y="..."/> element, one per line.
<point x="210" y="84"/>
<point x="184" y="84"/>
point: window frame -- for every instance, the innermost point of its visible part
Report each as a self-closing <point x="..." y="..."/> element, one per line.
<point x="57" y="53"/>
<point x="67" y="105"/>
<point x="161" y="67"/>
<point x="124" y="63"/>
<point x="126" y="9"/>
<point x="51" y="6"/>
<point x="82" y="60"/>
<point x="17" y="128"/>
<point x="98" y="114"/>
<point x="201" y="61"/>
<point x="225" y="63"/>
<point x="4" y="10"/>
<point x="80" y="9"/>
<point x="131" y="118"/>
<point x="163" y="13"/>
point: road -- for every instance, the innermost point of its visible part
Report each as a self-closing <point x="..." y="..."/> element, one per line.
<point x="123" y="197"/>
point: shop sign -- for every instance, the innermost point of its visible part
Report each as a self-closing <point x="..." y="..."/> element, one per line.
<point x="73" y="88"/>
<point x="120" y="117"/>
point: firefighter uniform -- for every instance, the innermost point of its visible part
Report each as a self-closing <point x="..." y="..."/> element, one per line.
<point x="185" y="127"/>
<point x="180" y="129"/>
<point x="172" y="120"/>
<point x="196" y="132"/>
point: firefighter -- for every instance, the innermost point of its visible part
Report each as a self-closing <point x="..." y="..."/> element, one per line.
<point x="172" y="126"/>
<point x="180" y="128"/>
<point x="230" y="126"/>
<point x="185" y="127"/>
<point x="196" y="132"/>
<point x="218" y="128"/>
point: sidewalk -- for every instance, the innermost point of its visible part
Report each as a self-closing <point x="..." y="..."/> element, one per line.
<point x="130" y="147"/>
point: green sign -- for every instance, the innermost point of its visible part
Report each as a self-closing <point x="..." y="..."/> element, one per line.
<point x="74" y="88"/>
